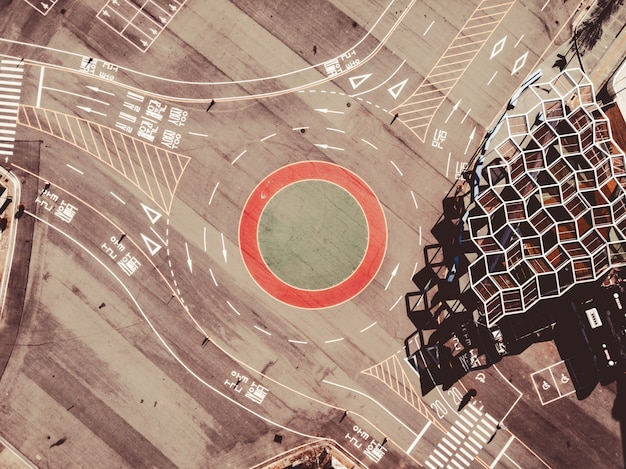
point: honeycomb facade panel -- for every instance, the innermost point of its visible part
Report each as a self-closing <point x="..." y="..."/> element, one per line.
<point x="553" y="208"/>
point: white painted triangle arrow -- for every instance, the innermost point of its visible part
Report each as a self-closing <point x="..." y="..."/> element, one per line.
<point x="152" y="246"/>
<point x="395" y="90"/>
<point x="153" y="215"/>
<point x="358" y="81"/>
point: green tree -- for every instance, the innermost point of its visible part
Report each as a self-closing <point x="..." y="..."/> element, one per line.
<point x="589" y="32"/>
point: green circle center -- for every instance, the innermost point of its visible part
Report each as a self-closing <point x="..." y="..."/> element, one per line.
<point x="312" y="234"/>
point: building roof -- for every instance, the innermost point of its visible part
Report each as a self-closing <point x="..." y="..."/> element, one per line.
<point x="549" y="209"/>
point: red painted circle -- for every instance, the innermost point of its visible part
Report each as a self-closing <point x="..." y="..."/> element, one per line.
<point x="376" y="242"/>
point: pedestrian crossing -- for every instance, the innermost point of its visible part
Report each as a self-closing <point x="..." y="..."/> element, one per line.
<point x="463" y="442"/>
<point x="11" y="76"/>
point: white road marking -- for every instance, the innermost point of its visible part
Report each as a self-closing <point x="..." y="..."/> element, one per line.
<point x="77" y="95"/>
<point x="418" y="437"/>
<point x="324" y="146"/>
<point x="262" y="330"/>
<point x="370" y="144"/>
<point x="213" y="193"/>
<point x="414" y="201"/>
<point x="297" y="341"/>
<point x="233" y="308"/>
<point x="397" y="169"/>
<point x="394" y="305"/>
<point x="334" y="340"/>
<point x="504" y="448"/>
<point x="164" y="343"/>
<point x="118" y="198"/>
<point x="38" y="103"/>
<point x="189" y="263"/>
<point x="371" y="325"/>
<point x="224" y="252"/>
<point x="428" y="29"/>
<point x="161" y="239"/>
<point x="518" y="41"/>
<point x="268" y="137"/>
<point x="238" y="156"/>
<point x="75" y="169"/>
<point x="213" y="277"/>
<point x="198" y="135"/>
<point x="336" y="130"/>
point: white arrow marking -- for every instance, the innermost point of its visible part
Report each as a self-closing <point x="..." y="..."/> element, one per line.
<point x="471" y="137"/>
<point x="358" y="81"/>
<point x="456" y="106"/>
<point x="224" y="252"/>
<point x="152" y="246"/>
<point x="153" y="215"/>
<point x="395" y="90"/>
<point x="327" y="147"/>
<point x="98" y="90"/>
<point x="91" y="111"/>
<point x="329" y="111"/>
<point x="188" y="258"/>
<point x="393" y="274"/>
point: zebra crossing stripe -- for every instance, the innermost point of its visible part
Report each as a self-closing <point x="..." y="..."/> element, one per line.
<point x="469" y="424"/>
<point x="456" y="464"/>
<point x="469" y="456"/>
<point x="448" y="443"/>
<point x="461" y="426"/>
<point x="444" y="449"/>
<point x="458" y="433"/>
<point x="473" y="440"/>
<point x="483" y="430"/>
<point x="440" y="455"/>
<point x="495" y="422"/>
<point x="436" y="461"/>
<point x="462" y="459"/>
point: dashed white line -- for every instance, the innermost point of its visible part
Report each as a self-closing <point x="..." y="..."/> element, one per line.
<point x="213" y="193"/>
<point x="397" y="169"/>
<point x="492" y="77"/>
<point x="118" y="198"/>
<point x="213" y="277"/>
<point x="428" y="29"/>
<point x="238" y="156"/>
<point x="268" y="137"/>
<point x="262" y="330"/>
<point x="233" y="308"/>
<point x="75" y="169"/>
<point x="414" y="201"/>
<point x="371" y="325"/>
<point x="336" y="130"/>
<point x="370" y="144"/>
<point x="394" y="305"/>
<point x="204" y="238"/>
<point x="198" y="135"/>
<point x="300" y="128"/>
<point x="334" y="340"/>
<point x="518" y="41"/>
<point x="297" y="341"/>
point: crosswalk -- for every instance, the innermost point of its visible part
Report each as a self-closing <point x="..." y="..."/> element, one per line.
<point x="461" y="445"/>
<point x="11" y="76"/>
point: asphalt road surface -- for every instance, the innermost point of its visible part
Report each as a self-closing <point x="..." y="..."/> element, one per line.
<point x="155" y="123"/>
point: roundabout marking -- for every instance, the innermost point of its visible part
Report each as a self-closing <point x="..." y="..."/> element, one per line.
<point x="376" y="235"/>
